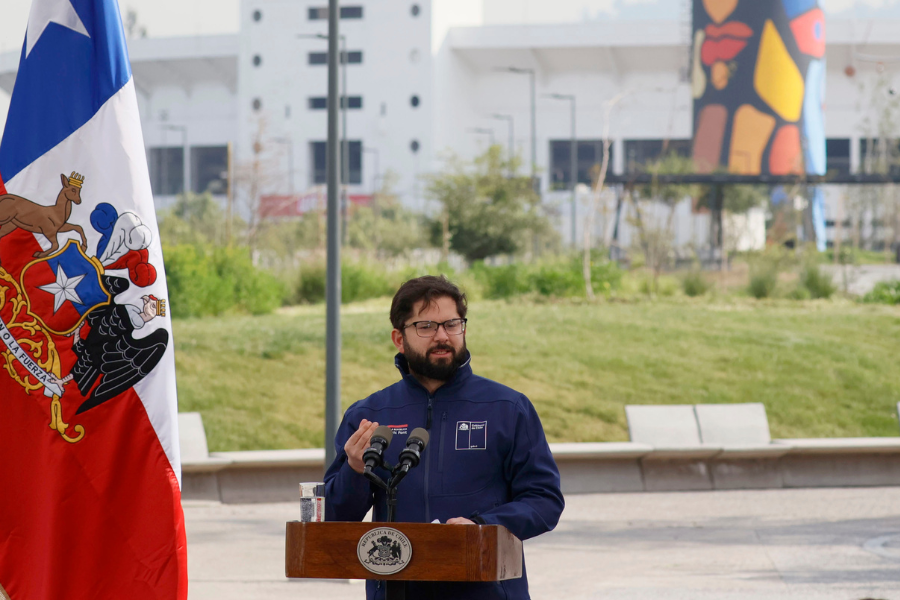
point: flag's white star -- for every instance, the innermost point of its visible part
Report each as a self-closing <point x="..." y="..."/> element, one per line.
<point x="63" y="288"/>
<point x="44" y="12"/>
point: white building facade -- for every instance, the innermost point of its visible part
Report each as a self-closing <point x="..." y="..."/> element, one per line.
<point x="262" y="92"/>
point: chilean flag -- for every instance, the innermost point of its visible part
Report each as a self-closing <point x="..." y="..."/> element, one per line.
<point x="89" y="459"/>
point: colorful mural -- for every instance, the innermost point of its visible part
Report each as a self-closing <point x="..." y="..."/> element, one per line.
<point x="758" y="78"/>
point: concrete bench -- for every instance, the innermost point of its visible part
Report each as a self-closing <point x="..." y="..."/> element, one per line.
<point x="742" y="430"/>
<point x="195" y="456"/>
<point x="600" y="467"/>
<point x="671" y="430"/>
<point x="679" y="457"/>
<point x="834" y="462"/>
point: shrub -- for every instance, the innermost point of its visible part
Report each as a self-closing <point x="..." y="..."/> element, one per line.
<point x="762" y="283"/>
<point x="818" y="284"/>
<point x="204" y="281"/>
<point x="695" y="284"/>
<point x="884" y="292"/>
<point x="560" y="280"/>
<point x="359" y="281"/>
<point x="501" y="282"/>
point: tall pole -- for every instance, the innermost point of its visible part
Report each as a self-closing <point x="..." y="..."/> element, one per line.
<point x="574" y="174"/>
<point x="533" y="128"/>
<point x="345" y="144"/>
<point x="511" y="151"/>
<point x="573" y="162"/>
<point x="230" y="205"/>
<point x="333" y="269"/>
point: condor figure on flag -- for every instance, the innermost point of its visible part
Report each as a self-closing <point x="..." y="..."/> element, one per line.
<point x="89" y="455"/>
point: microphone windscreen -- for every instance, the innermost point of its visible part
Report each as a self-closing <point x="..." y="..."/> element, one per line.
<point x="385" y="432"/>
<point x="419" y="434"/>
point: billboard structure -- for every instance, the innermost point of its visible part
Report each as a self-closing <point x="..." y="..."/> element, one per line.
<point x="758" y="82"/>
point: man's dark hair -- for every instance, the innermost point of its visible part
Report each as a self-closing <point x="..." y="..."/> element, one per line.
<point x="428" y="288"/>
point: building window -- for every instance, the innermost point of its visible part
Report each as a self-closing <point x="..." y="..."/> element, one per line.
<point x="320" y="13"/>
<point x="257" y="60"/>
<point x="354" y="57"/>
<point x="257" y="104"/>
<point x="209" y="169"/>
<point x="257" y="15"/>
<point x="321" y="102"/>
<point x="638" y="153"/>
<point x="414" y="101"/>
<point x="319" y="153"/>
<point x="878" y="157"/>
<point x="590" y="156"/>
<point x="414" y="146"/>
<point x="166" y="170"/>
<point x="838" y="153"/>
<point x="415" y="10"/>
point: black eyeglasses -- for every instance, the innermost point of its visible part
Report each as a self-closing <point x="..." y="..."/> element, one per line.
<point x="428" y="329"/>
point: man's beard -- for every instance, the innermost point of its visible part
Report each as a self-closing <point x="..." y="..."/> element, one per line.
<point x="422" y="365"/>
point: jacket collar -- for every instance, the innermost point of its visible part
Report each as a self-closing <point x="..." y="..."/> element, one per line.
<point x="462" y="373"/>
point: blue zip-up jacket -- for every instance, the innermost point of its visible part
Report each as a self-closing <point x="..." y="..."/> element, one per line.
<point x="487" y="460"/>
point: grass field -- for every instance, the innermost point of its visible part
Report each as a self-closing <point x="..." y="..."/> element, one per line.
<point x="823" y="369"/>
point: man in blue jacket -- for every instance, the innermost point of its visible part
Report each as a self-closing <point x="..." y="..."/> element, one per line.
<point x="488" y="461"/>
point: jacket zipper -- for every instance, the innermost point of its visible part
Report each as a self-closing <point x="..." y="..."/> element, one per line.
<point x="441" y="450"/>
<point x="429" y="412"/>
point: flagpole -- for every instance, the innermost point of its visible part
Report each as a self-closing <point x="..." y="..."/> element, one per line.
<point x="333" y="271"/>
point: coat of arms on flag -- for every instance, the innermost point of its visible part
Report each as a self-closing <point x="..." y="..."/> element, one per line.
<point x="88" y="410"/>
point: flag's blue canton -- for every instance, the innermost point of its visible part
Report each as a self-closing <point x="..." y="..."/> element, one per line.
<point x="88" y="289"/>
<point x="63" y="83"/>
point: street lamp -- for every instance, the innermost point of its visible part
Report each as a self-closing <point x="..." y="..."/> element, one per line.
<point x="484" y="131"/>
<point x="333" y="241"/>
<point x="290" y="146"/>
<point x="345" y="146"/>
<point x="573" y="159"/>
<point x="512" y="150"/>
<point x="530" y="73"/>
<point x="186" y="160"/>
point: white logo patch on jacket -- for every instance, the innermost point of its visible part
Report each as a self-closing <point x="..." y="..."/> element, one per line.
<point x="471" y="435"/>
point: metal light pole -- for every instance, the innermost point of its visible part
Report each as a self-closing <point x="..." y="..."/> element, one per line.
<point x="512" y="150"/>
<point x="333" y="269"/>
<point x="484" y="131"/>
<point x="186" y="159"/>
<point x="290" y="146"/>
<point x="573" y="157"/>
<point x="530" y="73"/>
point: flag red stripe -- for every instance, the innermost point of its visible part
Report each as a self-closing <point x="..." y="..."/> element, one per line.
<point x="100" y="518"/>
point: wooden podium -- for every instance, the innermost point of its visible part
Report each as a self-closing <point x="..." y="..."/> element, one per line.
<point x="438" y="552"/>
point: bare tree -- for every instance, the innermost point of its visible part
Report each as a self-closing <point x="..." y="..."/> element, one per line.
<point x="594" y="198"/>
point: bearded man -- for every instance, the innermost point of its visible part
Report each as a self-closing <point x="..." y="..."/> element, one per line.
<point x="488" y="461"/>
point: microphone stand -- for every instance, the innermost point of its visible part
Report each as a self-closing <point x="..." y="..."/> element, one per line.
<point x="393" y="589"/>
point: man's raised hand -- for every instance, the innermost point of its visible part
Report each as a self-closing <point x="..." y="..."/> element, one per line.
<point x="358" y="443"/>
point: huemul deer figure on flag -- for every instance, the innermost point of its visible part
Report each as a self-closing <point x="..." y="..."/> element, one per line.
<point x="19" y="213"/>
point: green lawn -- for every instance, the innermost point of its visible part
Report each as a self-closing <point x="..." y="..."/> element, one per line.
<point x="823" y="369"/>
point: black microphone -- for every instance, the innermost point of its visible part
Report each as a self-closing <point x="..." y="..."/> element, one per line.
<point x="415" y="445"/>
<point x="381" y="439"/>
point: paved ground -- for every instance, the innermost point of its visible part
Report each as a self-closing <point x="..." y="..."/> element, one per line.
<point x="860" y="280"/>
<point x="841" y="544"/>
